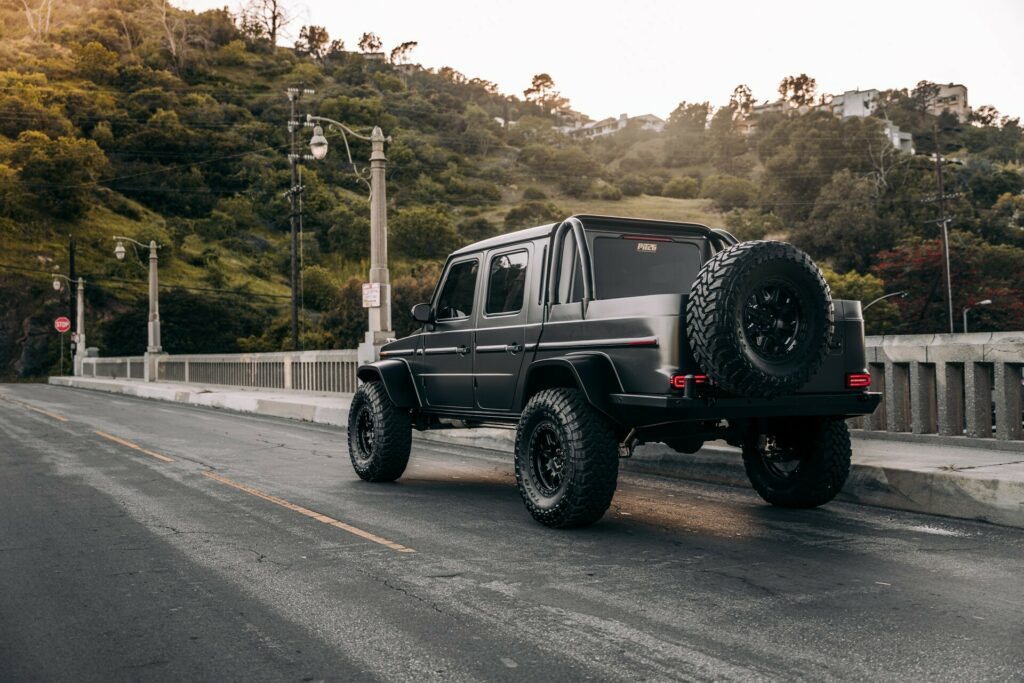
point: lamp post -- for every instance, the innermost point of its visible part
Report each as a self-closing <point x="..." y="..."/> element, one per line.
<point x="294" y="195"/>
<point x="78" y="340"/>
<point x="902" y="295"/>
<point x="380" y="279"/>
<point x="153" y="349"/>
<point x="983" y="302"/>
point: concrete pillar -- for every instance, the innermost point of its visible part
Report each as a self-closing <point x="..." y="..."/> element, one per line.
<point x="878" y="420"/>
<point x="380" y="316"/>
<point x="897" y="389"/>
<point x="950" y="390"/>
<point x="978" y="399"/>
<point x="1007" y="397"/>
<point x="287" y="373"/>
<point x="922" y="404"/>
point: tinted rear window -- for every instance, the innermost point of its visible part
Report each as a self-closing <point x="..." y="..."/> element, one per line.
<point x="638" y="267"/>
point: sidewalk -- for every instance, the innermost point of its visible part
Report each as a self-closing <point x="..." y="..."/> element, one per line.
<point x="952" y="481"/>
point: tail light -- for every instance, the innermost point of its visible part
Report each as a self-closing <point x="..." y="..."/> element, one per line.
<point x="858" y="380"/>
<point x="679" y="381"/>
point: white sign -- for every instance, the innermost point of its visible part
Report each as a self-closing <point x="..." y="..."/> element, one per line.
<point x="371" y="295"/>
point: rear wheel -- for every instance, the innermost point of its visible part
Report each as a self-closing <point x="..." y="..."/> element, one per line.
<point x="799" y="463"/>
<point x="379" y="434"/>
<point x="567" y="459"/>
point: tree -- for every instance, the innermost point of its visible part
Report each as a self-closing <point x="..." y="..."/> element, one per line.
<point x="95" y="62"/>
<point x="985" y="115"/>
<point x="174" y="27"/>
<point x="60" y="173"/>
<point x="400" y="54"/>
<point x="798" y="90"/>
<point x="729" y="192"/>
<point x="689" y="117"/>
<point x="681" y="188"/>
<point x="742" y="100"/>
<point x="313" y="41"/>
<point x="423" y="232"/>
<point x="370" y="42"/>
<point x="38" y="17"/>
<point x="529" y="214"/>
<point x="265" y="20"/>
<point x="542" y="93"/>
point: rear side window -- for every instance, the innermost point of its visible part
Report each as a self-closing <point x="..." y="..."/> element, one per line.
<point x="506" y="283"/>
<point x="456" y="299"/>
<point x="635" y="266"/>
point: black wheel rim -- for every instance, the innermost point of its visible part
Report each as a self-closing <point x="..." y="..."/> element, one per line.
<point x="365" y="433"/>
<point x="772" y="320"/>
<point x="547" y="459"/>
<point x="781" y="462"/>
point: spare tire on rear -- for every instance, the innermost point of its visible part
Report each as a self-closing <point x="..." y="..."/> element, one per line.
<point x="759" y="319"/>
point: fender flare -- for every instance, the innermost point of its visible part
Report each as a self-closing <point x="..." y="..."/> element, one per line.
<point x="594" y="373"/>
<point x="397" y="379"/>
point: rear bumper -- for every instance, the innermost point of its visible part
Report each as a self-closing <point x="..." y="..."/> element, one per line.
<point x="637" y="410"/>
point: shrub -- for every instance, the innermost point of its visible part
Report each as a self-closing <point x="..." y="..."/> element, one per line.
<point x="730" y="192"/>
<point x="751" y="224"/>
<point x="533" y="194"/>
<point x="423" y="232"/>
<point x="531" y="214"/>
<point x="633" y="185"/>
<point x="681" y="188"/>
<point x="319" y="288"/>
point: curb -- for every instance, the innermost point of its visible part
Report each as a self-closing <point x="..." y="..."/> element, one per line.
<point x="968" y="493"/>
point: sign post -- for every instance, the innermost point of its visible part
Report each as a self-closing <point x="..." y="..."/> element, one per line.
<point x="62" y="325"/>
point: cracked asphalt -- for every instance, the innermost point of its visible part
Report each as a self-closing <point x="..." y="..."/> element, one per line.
<point x="250" y="551"/>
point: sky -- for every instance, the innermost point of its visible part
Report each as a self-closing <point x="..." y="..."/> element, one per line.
<point x="645" y="56"/>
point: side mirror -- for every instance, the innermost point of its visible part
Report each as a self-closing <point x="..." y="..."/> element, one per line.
<point x="422" y="313"/>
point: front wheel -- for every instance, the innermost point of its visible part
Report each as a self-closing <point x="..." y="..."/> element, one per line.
<point x="379" y="434"/>
<point x="567" y="459"/>
<point x="799" y="463"/>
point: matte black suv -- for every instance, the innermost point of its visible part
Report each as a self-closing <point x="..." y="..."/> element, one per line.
<point x="595" y="334"/>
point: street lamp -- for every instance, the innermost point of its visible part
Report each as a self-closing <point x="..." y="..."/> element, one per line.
<point x="380" y="314"/>
<point x="983" y="302"/>
<point x="153" y="337"/>
<point x="79" y="337"/>
<point x="902" y="295"/>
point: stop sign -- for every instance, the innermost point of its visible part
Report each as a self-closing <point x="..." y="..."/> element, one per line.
<point x="62" y="324"/>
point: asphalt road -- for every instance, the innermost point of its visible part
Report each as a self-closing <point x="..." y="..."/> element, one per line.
<point x="149" y="541"/>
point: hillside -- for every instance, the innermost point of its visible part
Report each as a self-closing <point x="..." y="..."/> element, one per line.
<point x="154" y="123"/>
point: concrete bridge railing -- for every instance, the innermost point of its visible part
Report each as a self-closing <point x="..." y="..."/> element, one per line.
<point x="959" y="385"/>
<point x="948" y="384"/>
<point x="327" y="371"/>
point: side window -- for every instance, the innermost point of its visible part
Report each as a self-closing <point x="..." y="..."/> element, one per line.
<point x="506" y="283"/>
<point x="456" y="299"/>
<point x="570" y="277"/>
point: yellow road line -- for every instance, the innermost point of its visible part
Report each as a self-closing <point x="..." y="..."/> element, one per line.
<point x="129" y="444"/>
<point x="55" y="416"/>
<point x="312" y="514"/>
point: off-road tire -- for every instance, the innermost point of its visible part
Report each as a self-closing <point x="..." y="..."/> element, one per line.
<point x="823" y="449"/>
<point x="719" y="319"/>
<point x="385" y="455"/>
<point x="589" y="455"/>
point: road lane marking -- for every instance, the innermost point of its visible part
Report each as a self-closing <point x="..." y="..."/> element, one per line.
<point x="135" y="446"/>
<point x="312" y="514"/>
<point x="55" y="416"/>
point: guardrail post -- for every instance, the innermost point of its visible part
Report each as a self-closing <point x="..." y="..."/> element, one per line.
<point x="978" y="399"/>
<point x="950" y="390"/>
<point x="897" y="390"/>
<point x="1007" y="398"/>
<point x="922" y="403"/>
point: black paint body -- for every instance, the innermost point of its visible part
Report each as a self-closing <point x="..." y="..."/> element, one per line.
<point x="621" y="352"/>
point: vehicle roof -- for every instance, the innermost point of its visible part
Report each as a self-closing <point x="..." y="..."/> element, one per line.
<point x="589" y="221"/>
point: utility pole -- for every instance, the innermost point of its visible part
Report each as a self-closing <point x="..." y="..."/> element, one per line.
<point x="945" y="224"/>
<point x="80" y="328"/>
<point x="294" y="192"/>
<point x="71" y="275"/>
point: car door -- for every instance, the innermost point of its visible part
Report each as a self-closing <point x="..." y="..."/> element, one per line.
<point x="446" y="367"/>
<point x="501" y="330"/>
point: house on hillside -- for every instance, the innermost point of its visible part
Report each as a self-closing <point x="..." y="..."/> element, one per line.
<point x="855" y="103"/>
<point x="951" y="97"/>
<point x="594" y="129"/>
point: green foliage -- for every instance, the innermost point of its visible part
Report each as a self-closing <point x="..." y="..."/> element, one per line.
<point x="533" y="194"/>
<point x="95" y="62"/>
<point x="729" y="192"/>
<point x="752" y="224"/>
<point x="681" y="188"/>
<point x="883" y="316"/>
<point x="319" y="288"/>
<point x="191" y="322"/>
<point x="530" y="214"/>
<point x="423" y="232"/>
<point x="59" y="173"/>
<point x="476" y="229"/>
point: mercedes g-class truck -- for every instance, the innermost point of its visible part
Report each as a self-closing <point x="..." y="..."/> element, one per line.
<point x="596" y="334"/>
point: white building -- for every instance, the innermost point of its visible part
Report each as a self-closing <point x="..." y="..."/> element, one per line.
<point x="951" y="97"/>
<point x="901" y="140"/>
<point x="595" y="129"/>
<point x="855" y="103"/>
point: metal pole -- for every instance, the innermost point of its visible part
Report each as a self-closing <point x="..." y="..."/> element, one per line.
<point x="965" y="318"/>
<point x="293" y="161"/>
<point x="945" y="225"/>
<point x="80" y="328"/>
<point x="380" y="318"/>
<point x="61" y="354"/>
<point x="71" y="278"/>
<point x="153" y="345"/>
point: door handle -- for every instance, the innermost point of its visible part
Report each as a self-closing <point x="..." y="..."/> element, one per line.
<point x="462" y="350"/>
<point x="513" y="348"/>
